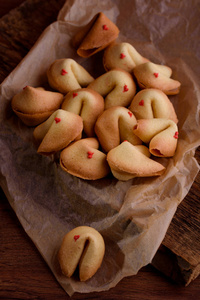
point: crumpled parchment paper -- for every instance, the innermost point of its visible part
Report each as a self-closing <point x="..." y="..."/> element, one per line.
<point x="132" y="216"/>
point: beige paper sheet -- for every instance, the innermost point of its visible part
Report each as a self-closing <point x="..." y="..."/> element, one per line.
<point x="132" y="216"/>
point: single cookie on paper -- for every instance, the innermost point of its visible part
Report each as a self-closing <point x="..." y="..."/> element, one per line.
<point x="84" y="247"/>
<point x="34" y="105"/>
<point x="95" y="36"/>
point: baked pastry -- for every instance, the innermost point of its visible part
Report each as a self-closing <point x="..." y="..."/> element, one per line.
<point x="66" y="75"/>
<point x="88" y="104"/>
<point x="160" y="134"/>
<point x="123" y="56"/>
<point x="150" y="75"/>
<point x="83" y="159"/>
<point x="117" y="86"/>
<point x="84" y="247"/>
<point x="95" y="36"/>
<point x="114" y="126"/>
<point x="152" y="103"/>
<point x="128" y="161"/>
<point x="34" y="105"/>
<point x="58" y="131"/>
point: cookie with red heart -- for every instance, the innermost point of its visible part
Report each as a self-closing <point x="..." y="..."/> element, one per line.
<point x="84" y="247"/>
<point x="83" y="159"/>
<point x="58" y="131"/>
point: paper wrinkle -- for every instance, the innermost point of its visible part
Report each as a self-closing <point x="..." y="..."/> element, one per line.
<point x="74" y="16"/>
<point x="132" y="216"/>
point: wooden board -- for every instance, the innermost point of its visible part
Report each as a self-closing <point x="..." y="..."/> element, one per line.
<point x="181" y="247"/>
<point x="178" y="256"/>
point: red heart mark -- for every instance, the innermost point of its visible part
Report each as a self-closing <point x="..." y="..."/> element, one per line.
<point x="57" y="120"/>
<point x="90" y="154"/>
<point x="105" y="27"/>
<point x="63" y="72"/>
<point x="176" y="135"/>
<point x="76" y="237"/>
<point x="130" y="113"/>
<point x="141" y="103"/>
<point x="122" y="55"/>
<point x="125" y="88"/>
<point x="75" y="94"/>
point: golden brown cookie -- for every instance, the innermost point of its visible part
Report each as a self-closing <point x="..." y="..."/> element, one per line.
<point x="66" y="75"/>
<point x="83" y="159"/>
<point x="123" y="56"/>
<point x="88" y="104"/>
<point x="150" y="75"/>
<point x="95" y="36"/>
<point x="116" y="86"/>
<point x="114" y="126"/>
<point x="160" y="134"/>
<point x="84" y="247"/>
<point x="35" y="105"/>
<point x="128" y="161"/>
<point x="58" y="131"/>
<point x="152" y="103"/>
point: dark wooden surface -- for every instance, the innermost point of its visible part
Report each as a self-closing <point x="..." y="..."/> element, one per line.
<point x="23" y="272"/>
<point x="183" y="238"/>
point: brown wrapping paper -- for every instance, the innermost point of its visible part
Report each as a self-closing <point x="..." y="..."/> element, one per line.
<point x="132" y="216"/>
